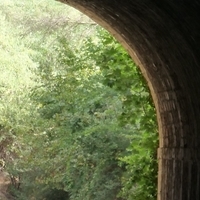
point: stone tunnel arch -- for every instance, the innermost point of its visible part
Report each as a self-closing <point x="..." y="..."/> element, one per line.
<point x="163" y="38"/>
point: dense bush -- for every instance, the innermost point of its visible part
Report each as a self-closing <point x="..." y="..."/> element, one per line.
<point x="82" y="122"/>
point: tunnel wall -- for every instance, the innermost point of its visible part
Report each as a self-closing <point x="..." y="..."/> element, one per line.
<point x="163" y="39"/>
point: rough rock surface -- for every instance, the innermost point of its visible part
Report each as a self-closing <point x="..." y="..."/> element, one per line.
<point x="4" y="183"/>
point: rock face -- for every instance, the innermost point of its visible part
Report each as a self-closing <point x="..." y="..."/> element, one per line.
<point x="4" y="183"/>
<point x="163" y="37"/>
<point x="3" y="197"/>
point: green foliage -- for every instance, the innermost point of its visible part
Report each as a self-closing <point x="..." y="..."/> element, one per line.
<point x="76" y="111"/>
<point x="140" y="179"/>
<point x="94" y="172"/>
<point x="75" y="103"/>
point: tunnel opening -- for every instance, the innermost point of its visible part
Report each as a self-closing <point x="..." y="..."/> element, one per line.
<point x="163" y="39"/>
<point x="53" y="77"/>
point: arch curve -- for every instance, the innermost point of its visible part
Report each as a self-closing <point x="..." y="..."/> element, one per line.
<point x="163" y="39"/>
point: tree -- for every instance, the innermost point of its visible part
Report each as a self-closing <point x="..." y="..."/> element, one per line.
<point x="84" y="127"/>
<point x="140" y="178"/>
<point x="76" y="111"/>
